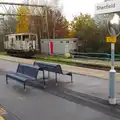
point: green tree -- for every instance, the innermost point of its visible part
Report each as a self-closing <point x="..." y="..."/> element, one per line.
<point x="90" y="34"/>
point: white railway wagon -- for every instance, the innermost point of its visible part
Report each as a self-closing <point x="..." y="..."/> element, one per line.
<point x="23" y="44"/>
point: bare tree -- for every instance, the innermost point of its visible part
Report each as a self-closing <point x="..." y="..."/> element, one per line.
<point x="55" y="6"/>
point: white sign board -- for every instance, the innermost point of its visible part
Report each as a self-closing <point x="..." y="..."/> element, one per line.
<point x="107" y="7"/>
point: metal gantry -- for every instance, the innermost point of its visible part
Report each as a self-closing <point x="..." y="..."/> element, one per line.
<point x="11" y="9"/>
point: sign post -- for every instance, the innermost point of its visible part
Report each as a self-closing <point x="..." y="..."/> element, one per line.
<point x="114" y="30"/>
<point x="112" y="72"/>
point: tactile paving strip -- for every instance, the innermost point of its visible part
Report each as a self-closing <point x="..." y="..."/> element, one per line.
<point x="6" y="115"/>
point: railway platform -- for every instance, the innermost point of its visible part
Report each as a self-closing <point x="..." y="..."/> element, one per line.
<point x="89" y="81"/>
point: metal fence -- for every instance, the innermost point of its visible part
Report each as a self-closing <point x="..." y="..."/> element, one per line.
<point x="99" y="56"/>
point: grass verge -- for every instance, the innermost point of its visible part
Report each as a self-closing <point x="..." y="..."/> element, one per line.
<point x="88" y="63"/>
<point x="95" y="64"/>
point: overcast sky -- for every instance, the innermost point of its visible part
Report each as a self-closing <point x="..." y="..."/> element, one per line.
<point x="73" y="7"/>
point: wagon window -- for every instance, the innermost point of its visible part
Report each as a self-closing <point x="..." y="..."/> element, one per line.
<point x="67" y="41"/>
<point x="12" y="40"/>
<point x="25" y="37"/>
<point x="18" y="37"/>
<point x="32" y="37"/>
<point x="74" y="41"/>
<point x="6" y="38"/>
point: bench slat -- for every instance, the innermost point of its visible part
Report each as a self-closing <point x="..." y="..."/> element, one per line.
<point x="17" y="77"/>
<point x="29" y="70"/>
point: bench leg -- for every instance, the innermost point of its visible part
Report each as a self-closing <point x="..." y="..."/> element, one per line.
<point x="24" y="86"/>
<point x="44" y="83"/>
<point x="44" y="79"/>
<point x="48" y="75"/>
<point x="43" y="74"/>
<point x="56" y="79"/>
<point x="71" y="78"/>
<point x="6" y="80"/>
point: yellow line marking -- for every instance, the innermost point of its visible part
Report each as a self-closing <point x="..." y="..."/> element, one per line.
<point x="1" y="118"/>
<point x="2" y="112"/>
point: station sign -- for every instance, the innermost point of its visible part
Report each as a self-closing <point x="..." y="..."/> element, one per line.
<point x="111" y="39"/>
<point x="107" y="7"/>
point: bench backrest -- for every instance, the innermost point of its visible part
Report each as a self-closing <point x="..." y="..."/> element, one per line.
<point x="59" y="69"/>
<point x="46" y="66"/>
<point x="49" y="66"/>
<point x="28" y="70"/>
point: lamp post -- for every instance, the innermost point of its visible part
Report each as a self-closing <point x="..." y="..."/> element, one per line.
<point x="114" y="30"/>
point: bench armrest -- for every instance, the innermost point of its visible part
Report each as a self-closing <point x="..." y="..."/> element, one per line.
<point x="69" y="73"/>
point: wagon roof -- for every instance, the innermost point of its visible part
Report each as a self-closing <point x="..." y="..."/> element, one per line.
<point x="61" y="39"/>
<point x="21" y="34"/>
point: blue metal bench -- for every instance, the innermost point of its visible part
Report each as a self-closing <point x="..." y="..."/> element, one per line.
<point x="24" y="73"/>
<point x="51" y="67"/>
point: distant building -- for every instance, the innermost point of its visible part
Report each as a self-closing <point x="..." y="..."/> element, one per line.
<point x="60" y="46"/>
